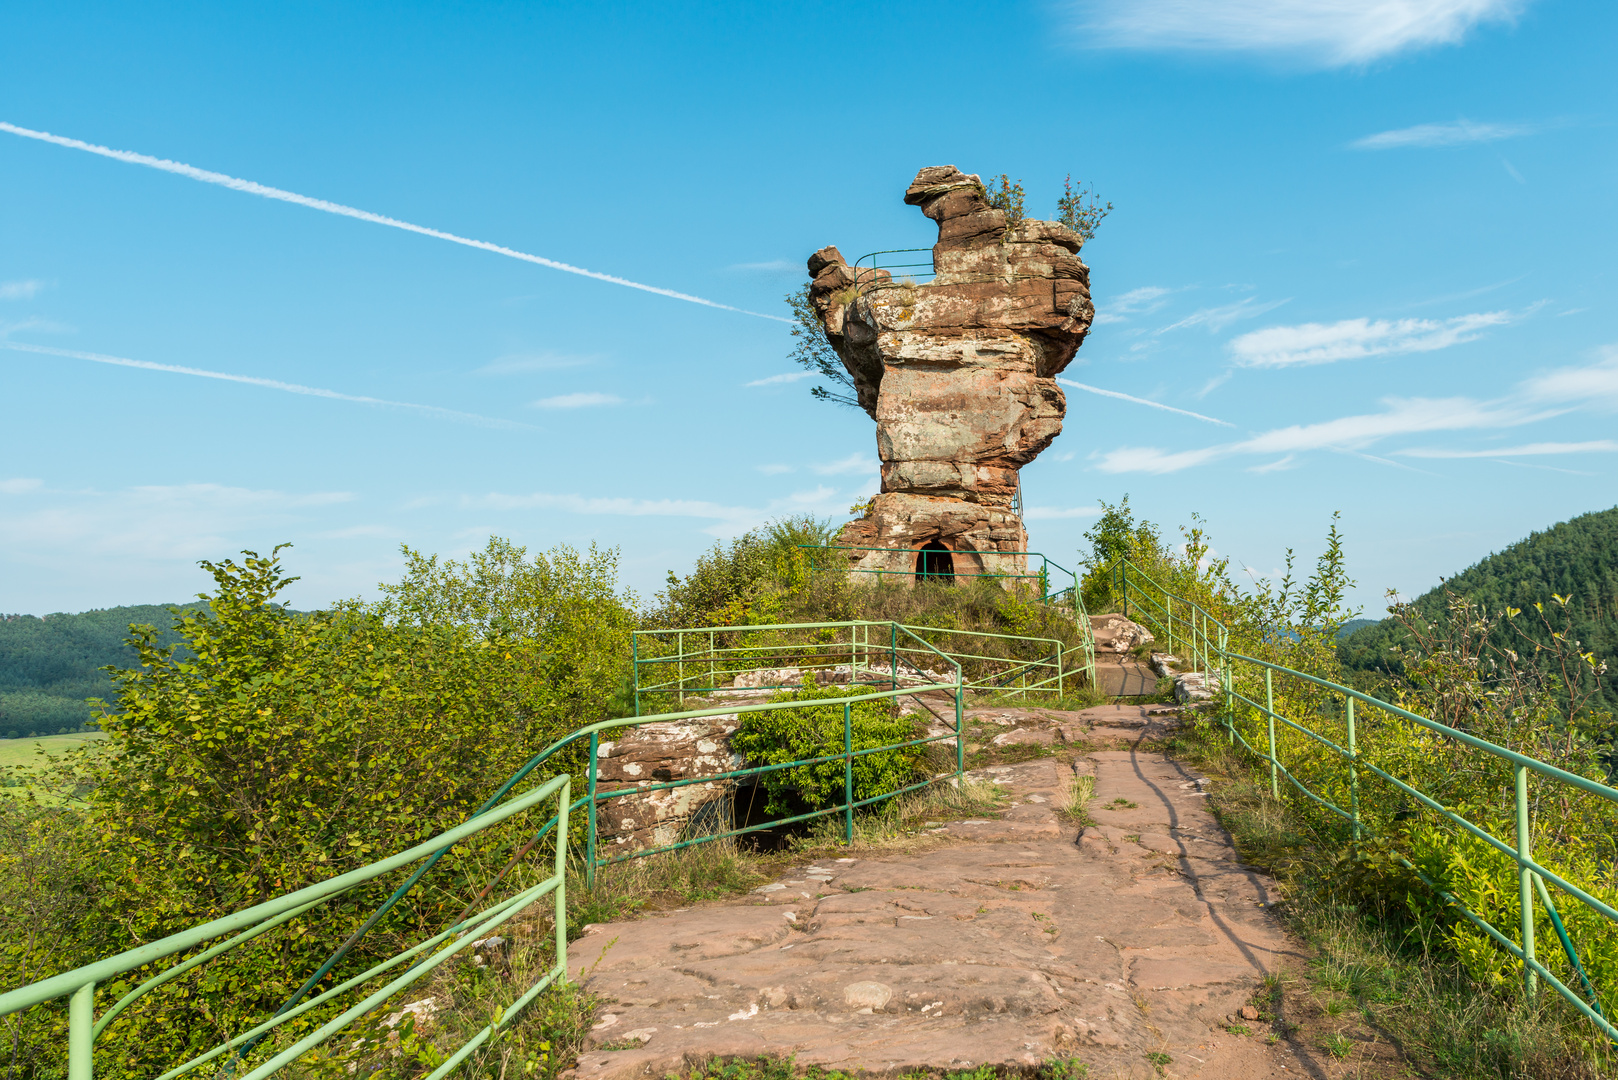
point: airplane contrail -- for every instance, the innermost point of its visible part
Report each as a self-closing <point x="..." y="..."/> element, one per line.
<point x="251" y="188"/>
<point x="272" y="384"/>
<point x="1141" y="401"/>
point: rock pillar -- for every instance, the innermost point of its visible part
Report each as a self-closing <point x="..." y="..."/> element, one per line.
<point x="959" y="373"/>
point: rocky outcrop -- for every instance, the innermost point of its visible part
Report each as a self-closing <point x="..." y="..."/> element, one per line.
<point x="1116" y="633"/>
<point x="959" y="373"/>
<point x="656" y="753"/>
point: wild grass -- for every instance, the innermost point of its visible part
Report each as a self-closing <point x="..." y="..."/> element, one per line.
<point x="1372" y="960"/>
<point x="1073" y="799"/>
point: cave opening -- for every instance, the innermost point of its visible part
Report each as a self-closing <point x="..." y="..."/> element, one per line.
<point x="934" y="562"/>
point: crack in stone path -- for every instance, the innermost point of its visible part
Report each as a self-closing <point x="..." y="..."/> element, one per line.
<point x="1005" y="942"/>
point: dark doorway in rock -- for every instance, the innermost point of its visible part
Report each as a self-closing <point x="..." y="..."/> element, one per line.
<point x="935" y="563"/>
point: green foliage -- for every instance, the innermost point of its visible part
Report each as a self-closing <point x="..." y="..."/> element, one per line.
<point x="268" y="750"/>
<point x="746" y="581"/>
<point x="1115" y="535"/>
<point x="1577" y="559"/>
<point x="783" y="735"/>
<point x="1008" y="198"/>
<point x="1080" y="209"/>
<point x="50" y="666"/>
<point x="814" y="353"/>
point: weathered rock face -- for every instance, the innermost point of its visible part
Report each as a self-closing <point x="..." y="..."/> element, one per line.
<point x="959" y="373"/>
<point x="656" y="753"/>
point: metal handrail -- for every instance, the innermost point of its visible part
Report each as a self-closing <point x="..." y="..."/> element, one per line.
<point x="79" y="985"/>
<point x="1208" y="639"/>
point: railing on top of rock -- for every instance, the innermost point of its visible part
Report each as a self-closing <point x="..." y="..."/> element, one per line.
<point x="869" y="268"/>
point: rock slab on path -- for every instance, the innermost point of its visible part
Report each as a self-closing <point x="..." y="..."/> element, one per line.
<point x="1018" y="938"/>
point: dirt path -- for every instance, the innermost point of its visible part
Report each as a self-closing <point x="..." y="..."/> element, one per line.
<point x="1005" y="941"/>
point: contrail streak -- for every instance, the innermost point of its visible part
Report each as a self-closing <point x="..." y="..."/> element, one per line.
<point x="251" y="188"/>
<point x="1142" y="401"/>
<point x="272" y="384"/>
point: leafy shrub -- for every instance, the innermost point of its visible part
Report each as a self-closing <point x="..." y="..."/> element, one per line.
<point x="783" y="735"/>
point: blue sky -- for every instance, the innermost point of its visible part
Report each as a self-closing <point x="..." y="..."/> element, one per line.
<point x="1375" y="245"/>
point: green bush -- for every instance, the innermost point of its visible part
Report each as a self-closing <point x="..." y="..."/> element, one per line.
<point x="784" y="735"/>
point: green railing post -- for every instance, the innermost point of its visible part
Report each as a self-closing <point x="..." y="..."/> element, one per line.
<point x="634" y="667"/>
<point x="960" y="729"/>
<point x="713" y="674"/>
<point x="1353" y="772"/>
<point x="1269" y="703"/>
<point x="1168" y="619"/>
<point x="1525" y="881"/>
<point x="893" y="651"/>
<point x="81" y="1019"/>
<point x="590" y="808"/>
<point x="679" y="645"/>
<point x="561" y="874"/>
<point x="1123" y="585"/>
<point x="848" y="773"/>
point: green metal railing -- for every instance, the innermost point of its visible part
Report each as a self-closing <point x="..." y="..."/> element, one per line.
<point x="885" y="662"/>
<point x="704" y="660"/>
<point x="79" y="985"/>
<point x="1205" y="640"/>
<point x="870" y="263"/>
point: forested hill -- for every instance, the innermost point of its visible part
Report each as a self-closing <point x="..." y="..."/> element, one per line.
<point x="1577" y="559"/>
<point x="49" y="665"/>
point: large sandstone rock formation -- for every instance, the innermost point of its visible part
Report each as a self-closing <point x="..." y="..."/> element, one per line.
<point x="959" y="373"/>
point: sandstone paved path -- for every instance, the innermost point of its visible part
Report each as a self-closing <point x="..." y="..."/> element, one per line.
<point x="1005" y="941"/>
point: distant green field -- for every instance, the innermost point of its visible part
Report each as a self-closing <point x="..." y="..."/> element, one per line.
<point x="24" y="752"/>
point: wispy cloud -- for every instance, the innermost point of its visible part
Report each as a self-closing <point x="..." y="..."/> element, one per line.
<point x="728" y="519"/>
<point x="1327" y="33"/>
<point x="1355" y="339"/>
<point x="1593" y="386"/>
<point x="520" y="363"/>
<point x="20" y="486"/>
<point x="1141" y="301"/>
<point x="856" y="464"/>
<point x="1459" y="133"/>
<point x="20" y="290"/>
<point x="1141" y="401"/>
<point x="1217" y="318"/>
<point x="1597" y="446"/>
<point x="268" y="384"/>
<point x="582" y="400"/>
<point x="784" y="377"/>
<point x="249" y="187"/>
<point x="1402" y="416"/>
<point x="177" y="521"/>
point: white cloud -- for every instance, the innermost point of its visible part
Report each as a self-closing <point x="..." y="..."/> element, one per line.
<point x="854" y="464"/>
<point x="581" y="400"/>
<point x="164" y="522"/>
<point x="1459" y="133"/>
<point x="1327" y="33"/>
<point x="1403" y="416"/>
<point x="1597" y="446"/>
<point x="1051" y="513"/>
<point x="729" y="519"/>
<point x="19" y="486"/>
<point x="518" y="363"/>
<point x="1354" y="339"/>
<point x="1595" y="385"/>
<point x="20" y="290"/>
<point x="1217" y="318"/>
<point x="784" y="377"/>
<point x="1146" y="299"/>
